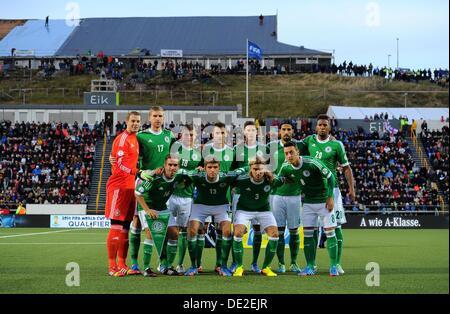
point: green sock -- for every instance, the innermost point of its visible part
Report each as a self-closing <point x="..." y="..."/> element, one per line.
<point x="280" y="248"/>
<point x="219" y="250"/>
<point x="340" y="244"/>
<point x="163" y="257"/>
<point x="148" y="249"/>
<point x="271" y="249"/>
<point x="135" y="243"/>
<point x="238" y="250"/>
<point x="257" y="240"/>
<point x="171" y="252"/>
<point x="182" y="246"/>
<point x="294" y="245"/>
<point x="192" y="248"/>
<point x="332" y="248"/>
<point x="226" y="246"/>
<point x="200" y="246"/>
<point x="233" y="257"/>
<point x="309" y="250"/>
<point x="316" y="243"/>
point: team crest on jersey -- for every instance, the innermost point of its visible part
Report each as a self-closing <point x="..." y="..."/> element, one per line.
<point x="157" y="226"/>
<point x="166" y="138"/>
<point x="120" y="153"/>
<point x="226" y="158"/>
<point x="117" y="213"/>
<point x="306" y="173"/>
<point x="222" y="185"/>
<point x="141" y="189"/>
<point x="267" y="188"/>
<point x="325" y="171"/>
<point x="259" y="153"/>
<point x="313" y="145"/>
<point x="248" y="189"/>
<point x="328" y="149"/>
<point x="161" y="188"/>
<point x="194" y="157"/>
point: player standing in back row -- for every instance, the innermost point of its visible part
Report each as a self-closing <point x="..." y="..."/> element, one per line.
<point x="225" y="155"/>
<point x="332" y="152"/>
<point x="286" y="199"/>
<point x="250" y="149"/>
<point x="120" y="200"/>
<point x="180" y="203"/>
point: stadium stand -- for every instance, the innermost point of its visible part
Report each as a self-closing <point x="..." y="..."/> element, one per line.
<point x="45" y="163"/>
<point x="436" y="144"/>
<point x="388" y="178"/>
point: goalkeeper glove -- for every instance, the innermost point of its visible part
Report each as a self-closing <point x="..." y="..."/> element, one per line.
<point x="146" y="175"/>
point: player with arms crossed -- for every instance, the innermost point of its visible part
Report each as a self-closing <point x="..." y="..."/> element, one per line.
<point x="332" y="152"/>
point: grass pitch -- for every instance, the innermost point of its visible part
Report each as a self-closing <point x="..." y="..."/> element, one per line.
<point x="411" y="261"/>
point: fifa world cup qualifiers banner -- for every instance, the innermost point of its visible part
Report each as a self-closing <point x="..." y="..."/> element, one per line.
<point x="24" y="221"/>
<point x="79" y="221"/>
<point x="396" y="222"/>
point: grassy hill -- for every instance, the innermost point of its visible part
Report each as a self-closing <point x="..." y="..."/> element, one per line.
<point x="282" y="95"/>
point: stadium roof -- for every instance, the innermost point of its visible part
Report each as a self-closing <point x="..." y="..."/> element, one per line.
<point x="417" y="113"/>
<point x="35" y="37"/>
<point x="196" y="36"/>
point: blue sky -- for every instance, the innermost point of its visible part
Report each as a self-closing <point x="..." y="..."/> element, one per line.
<point x="361" y="31"/>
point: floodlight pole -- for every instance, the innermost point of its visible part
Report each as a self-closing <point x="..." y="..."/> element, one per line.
<point x="246" y="87"/>
<point x="397" y="52"/>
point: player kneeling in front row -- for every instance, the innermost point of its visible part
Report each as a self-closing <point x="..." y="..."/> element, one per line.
<point x="152" y="195"/>
<point x="317" y="183"/>
<point x="211" y="200"/>
<point x="253" y="204"/>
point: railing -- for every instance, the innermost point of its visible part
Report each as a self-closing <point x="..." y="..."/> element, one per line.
<point x="103" y="86"/>
<point x="425" y="161"/>
<point x="442" y="202"/>
<point x="97" y="200"/>
<point x="205" y="96"/>
<point x="422" y="156"/>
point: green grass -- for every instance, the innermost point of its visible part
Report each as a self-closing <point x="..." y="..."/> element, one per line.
<point x="411" y="261"/>
<point x="298" y="95"/>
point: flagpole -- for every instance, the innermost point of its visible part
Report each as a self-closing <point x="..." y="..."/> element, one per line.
<point x="246" y="88"/>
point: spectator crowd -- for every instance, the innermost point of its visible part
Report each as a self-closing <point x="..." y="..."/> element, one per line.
<point x="45" y="163"/>
<point x="435" y="143"/>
